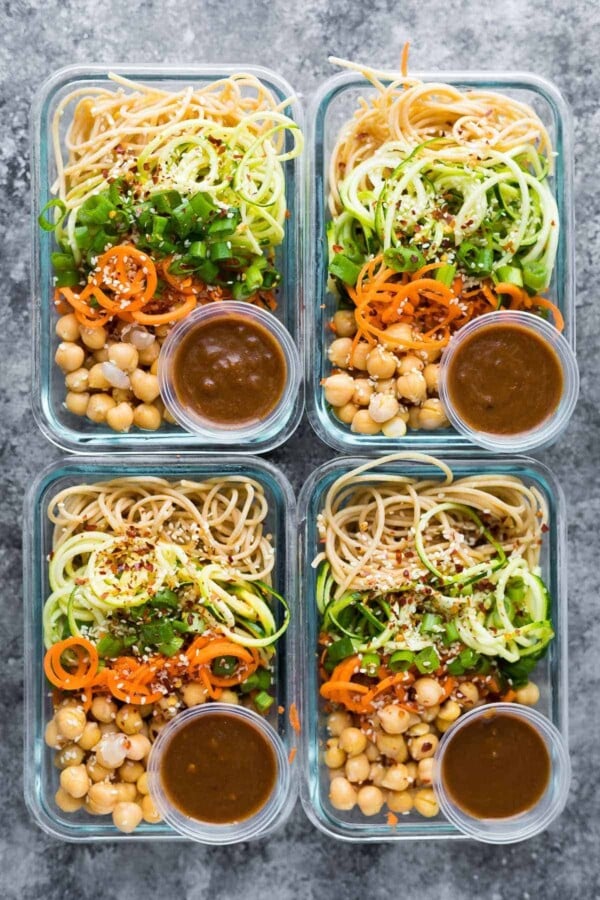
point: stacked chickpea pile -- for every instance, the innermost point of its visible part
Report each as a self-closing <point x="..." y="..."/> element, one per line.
<point x="112" y="377"/>
<point x="103" y="754"/>
<point x="387" y="757"/>
<point x="382" y="389"/>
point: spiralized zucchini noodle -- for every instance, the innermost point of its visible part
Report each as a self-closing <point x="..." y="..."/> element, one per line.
<point x="144" y="569"/>
<point x="444" y="572"/>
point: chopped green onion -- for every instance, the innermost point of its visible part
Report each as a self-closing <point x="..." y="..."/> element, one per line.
<point x="224" y="665"/>
<point x="62" y="262"/>
<point x="224" y="225"/>
<point x="430" y="623"/>
<point x="452" y="634"/>
<point x="263" y="702"/>
<point x="202" y="205"/>
<point x="370" y="663"/>
<point x="109" y="647"/>
<point x="535" y="276"/>
<point x="510" y="275"/>
<point x="445" y="274"/>
<point x="455" y="668"/>
<point x="171" y="647"/>
<point x="476" y="260"/>
<point x="220" y="250"/>
<point x="401" y="660"/>
<point x="340" y="650"/>
<point x="404" y="259"/>
<point x="96" y="210"/>
<point x="259" y="680"/>
<point x="194" y="623"/>
<point x="468" y="658"/>
<point x="254" y="278"/>
<point x="67" y="279"/>
<point x="427" y="660"/>
<point x="343" y="268"/>
<point x="197" y="249"/>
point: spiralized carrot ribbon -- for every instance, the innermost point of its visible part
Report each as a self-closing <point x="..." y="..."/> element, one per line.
<point x="382" y="297"/>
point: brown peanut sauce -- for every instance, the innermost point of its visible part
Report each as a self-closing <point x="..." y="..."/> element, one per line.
<point x="218" y="768"/>
<point x="496" y="766"/>
<point x="504" y="379"/>
<point x="230" y="371"/>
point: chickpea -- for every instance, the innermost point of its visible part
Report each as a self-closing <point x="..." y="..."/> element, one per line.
<point x="412" y="770"/>
<point x="77" y="381"/>
<point x="337" y="721"/>
<point x="95" y="770"/>
<point x="51" y="736"/>
<point x="77" y="403"/>
<point x="363" y="391"/>
<point x="128" y="719"/>
<point x="344" y="323"/>
<point x="432" y="377"/>
<point x="169" y="705"/>
<point x="94" y="338"/>
<point x="67" y="328"/>
<point x="442" y="725"/>
<point x="395" y="427"/>
<point x="383" y="407"/>
<point x="90" y="736"/>
<point x="120" y="417"/>
<point x="339" y="389"/>
<point x="66" y="802"/>
<point x="97" y="379"/>
<point x="194" y="693"/>
<point x="381" y="363"/>
<point x="400" y="801"/>
<point x="154" y="367"/>
<point x="342" y="794"/>
<point x="147" y="417"/>
<point x="418" y="729"/>
<point x="357" y="768"/>
<point x="362" y="423"/>
<point x="144" y="386"/>
<point x="147" y="356"/>
<point x="69" y="356"/>
<point x="412" y="387"/>
<point x="142" y="784"/>
<point x="394" y="720"/>
<point x="111" y="749"/>
<point x="430" y="714"/>
<point x="386" y="386"/>
<point x="104" y="796"/>
<point x="127" y="816"/>
<point x="69" y="755"/>
<point x="353" y="741"/>
<point x="339" y="352"/>
<point x="103" y="709"/>
<point x="130" y="771"/>
<point x="230" y="697"/>
<point x="398" y="334"/>
<point x="161" y="331"/>
<point x="396" y="778"/>
<point x="125" y="356"/>
<point x="430" y="355"/>
<point x="334" y="756"/>
<point x="75" y="781"/>
<point x="413" y="418"/>
<point x="450" y="711"/>
<point x="410" y="363"/>
<point x="155" y="727"/>
<point x="98" y="407"/>
<point x="426" y="803"/>
<point x="70" y="721"/>
<point x="372" y="752"/>
<point x="377" y="773"/>
<point x="101" y="356"/>
<point x="336" y="773"/>
<point x="432" y="415"/>
<point x="423" y="746"/>
<point x="358" y="359"/>
<point x="126" y="790"/>
<point x="467" y="694"/>
<point x="149" y="810"/>
<point x="428" y="691"/>
<point x="370" y="800"/>
<point x="393" y="746"/>
<point x="108" y="728"/>
<point x="528" y="695"/>
<point x="346" y="413"/>
<point x="425" y="770"/>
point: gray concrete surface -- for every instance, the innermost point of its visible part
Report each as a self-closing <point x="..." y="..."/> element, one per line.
<point x="558" y="39"/>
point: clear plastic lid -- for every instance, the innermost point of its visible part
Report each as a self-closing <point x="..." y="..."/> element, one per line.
<point x="532" y="821"/>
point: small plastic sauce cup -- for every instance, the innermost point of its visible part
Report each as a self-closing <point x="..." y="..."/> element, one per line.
<point x="225" y="433"/>
<point x="256" y="825"/>
<point x="548" y="430"/>
<point x="532" y="821"/>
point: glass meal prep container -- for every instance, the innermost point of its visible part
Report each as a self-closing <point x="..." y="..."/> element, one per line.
<point x="77" y="433"/>
<point x="332" y="106"/>
<point x="550" y="674"/>
<point x="41" y="778"/>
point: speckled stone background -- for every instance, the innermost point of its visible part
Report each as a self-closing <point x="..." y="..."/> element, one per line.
<point x="559" y="39"/>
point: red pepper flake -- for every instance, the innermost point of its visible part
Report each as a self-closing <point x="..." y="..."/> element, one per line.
<point x="545" y="528"/>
